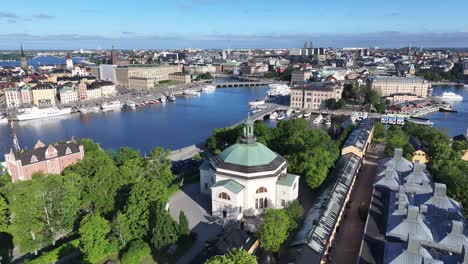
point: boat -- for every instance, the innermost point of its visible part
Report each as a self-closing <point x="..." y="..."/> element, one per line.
<point x="449" y="96"/>
<point x="171" y="98"/>
<point x="274" y="115"/>
<point x="163" y="99"/>
<point x="37" y="113"/>
<point x="257" y="102"/>
<point x="89" y="109"/>
<point x="209" y="88"/>
<point x="447" y="110"/>
<point x="3" y="119"/>
<point x="354" y="116"/>
<point x="298" y="114"/>
<point x="289" y="112"/>
<point x="307" y="114"/>
<point x="281" y="116"/>
<point x="318" y="119"/>
<point x="113" y="105"/>
<point x="328" y="120"/>
<point x="191" y="92"/>
<point x="278" y="90"/>
<point x="420" y="121"/>
<point x="130" y="104"/>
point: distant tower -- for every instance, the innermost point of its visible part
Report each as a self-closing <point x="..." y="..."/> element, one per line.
<point x="228" y="50"/>
<point x="305" y="44"/>
<point x="24" y="63"/>
<point x="311" y="46"/>
<point x="114" y="55"/>
<point x="409" y="49"/>
<point x="69" y="61"/>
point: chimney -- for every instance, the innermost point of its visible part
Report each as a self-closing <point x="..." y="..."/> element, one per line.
<point x="440" y="190"/>
<point x="398" y="153"/>
<point x="413" y="213"/>
<point x="414" y="246"/>
<point x="402" y="202"/>
<point x="457" y="228"/>
<point x="423" y="209"/>
<point x="417" y="168"/>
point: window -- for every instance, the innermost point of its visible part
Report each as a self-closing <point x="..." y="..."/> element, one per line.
<point x="261" y="190"/>
<point x="261" y="203"/>
<point x="224" y="196"/>
<point x="283" y="203"/>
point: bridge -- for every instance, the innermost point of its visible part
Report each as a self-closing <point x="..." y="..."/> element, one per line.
<point x="243" y="83"/>
<point x="269" y="108"/>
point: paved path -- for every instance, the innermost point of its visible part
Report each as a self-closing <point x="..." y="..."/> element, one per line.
<point x="197" y="209"/>
<point x="348" y="240"/>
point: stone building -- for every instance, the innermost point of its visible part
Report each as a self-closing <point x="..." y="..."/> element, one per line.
<point x="400" y="85"/>
<point x="300" y="76"/>
<point x="22" y="164"/>
<point x="314" y="94"/>
<point x="68" y="95"/>
<point x="155" y="72"/>
<point x="13" y="97"/>
<point x="247" y="178"/>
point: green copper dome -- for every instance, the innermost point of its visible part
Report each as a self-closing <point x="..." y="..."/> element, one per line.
<point x="255" y="154"/>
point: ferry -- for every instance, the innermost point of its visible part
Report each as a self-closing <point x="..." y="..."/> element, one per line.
<point x="37" y="113"/>
<point x="171" y="98"/>
<point x="109" y="106"/>
<point x="89" y="109"/>
<point x="307" y="114"/>
<point x="191" y="92"/>
<point x="449" y="96"/>
<point x="420" y="121"/>
<point x="130" y="104"/>
<point x="257" y="102"/>
<point x="163" y="99"/>
<point x="209" y="88"/>
<point x="274" y="115"/>
<point x="318" y="119"/>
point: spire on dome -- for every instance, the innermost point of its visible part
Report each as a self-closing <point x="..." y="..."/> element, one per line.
<point x="248" y="132"/>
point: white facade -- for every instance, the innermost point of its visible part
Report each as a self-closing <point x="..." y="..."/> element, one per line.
<point x="108" y="90"/>
<point x="13" y="97"/>
<point x="80" y="72"/>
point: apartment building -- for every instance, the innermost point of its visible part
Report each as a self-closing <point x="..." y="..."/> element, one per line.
<point x="68" y="95"/>
<point x="44" y="94"/>
<point x="314" y="94"/>
<point x="400" y="85"/>
<point x="300" y="76"/>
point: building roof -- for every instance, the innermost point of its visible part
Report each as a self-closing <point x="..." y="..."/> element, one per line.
<point x="40" y="151"/>
<point x="318" y="86"/>
<point x="43" y="86"/>
<point x="360" y="135"/>
<point x="230" y="185"/>
<point x="393" y="79"/>
<point x="286" y="179"/>
<point x="255" y="154"/>
<point x="65" y="89"/>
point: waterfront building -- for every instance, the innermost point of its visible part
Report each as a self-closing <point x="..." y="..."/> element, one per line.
<point x="420" y="153"/>
<point x="411" y="219"/>
<point x="180" y="77"/>
<point x="22" y="164"/>
<point x="247" y="178"/>
<point x="44" y="94"/>
<point x="314" y="94"/>
<point x="360" y="139"/>
<point x="13" y="97"/>
<point x="69" y="61"/>
<point x="26" y="95"/>
<point x="300" y="77"/>
<point x="68" y="95"/>
<point x="141" y="83"/>
<point x="83" y="90"/>
<point x="93" y="92"/>
<point x="388" y="86"/>
<point x="401" y="97"/>
<point x="155" y="73"/>
<point x="230" y="66"/>
<point x="199" y="69"/>
<point x="107" y="88"/>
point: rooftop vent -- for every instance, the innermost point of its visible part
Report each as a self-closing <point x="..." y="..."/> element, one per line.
<point x="413" y="213"/>
<point x="414" y="246"/>
<point x="440" y="190"/>
<point x="398" y="153"/>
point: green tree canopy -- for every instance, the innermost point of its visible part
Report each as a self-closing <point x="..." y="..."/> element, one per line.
<point x="236" y="256"/>
<point x="137" y="251"/>
<point x="93" y="237"/>
<point x="274" y="230"/>
<point x="3" y="214"/>
<point x="184" y="229"/>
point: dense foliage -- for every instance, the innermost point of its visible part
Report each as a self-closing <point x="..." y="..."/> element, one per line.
<point x="333" y="104"/>
<point x="455" y="74"/>
<point x="236" y="256"/>
<point x="108" y="199"/>
<point x="310" y="153"/>
<point x="204" y="76"/>
<point x="275" y="229"/>
<point x="137" y="251"/>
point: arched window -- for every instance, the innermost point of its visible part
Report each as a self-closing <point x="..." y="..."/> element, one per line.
<point x="224" y="196"/>
<point x="261" y="190"/>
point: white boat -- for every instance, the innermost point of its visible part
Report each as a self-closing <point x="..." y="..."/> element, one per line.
<point x="209" y="88"/>
<point x="109" y="106"/>
<point x="3" y="119"/>
<point x="278" y="89"/>
<point x="328" y="120"/>
<point x="307" y="114"/>
<point x="191" y="92"/>
<point x="421" y="121"/>
<point x="171" y="98"/>
<point x="89" y="109"/>
<point x="318" y="119"/>
<point x="274" y="115"/>
<point x="37" y="113"/>
<point x="354" y="116"/>
<point x="163" y="99"/>
<point x="281" y="116"/>
<point x="130" y="104"/>
<point x="289" y="112"/>
<point x="449" y="96"/>
<point x="257" y="102"/>
<point x="298" y="114"/>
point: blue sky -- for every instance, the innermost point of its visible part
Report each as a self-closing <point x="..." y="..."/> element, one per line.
<point x="214" y="23"/>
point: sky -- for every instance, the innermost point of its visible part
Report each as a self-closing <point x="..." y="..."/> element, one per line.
<point x="144" y="24"/>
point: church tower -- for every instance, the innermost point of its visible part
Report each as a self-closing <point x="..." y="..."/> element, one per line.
<point x="69" y="61"/>
<point x="24" y="63"/>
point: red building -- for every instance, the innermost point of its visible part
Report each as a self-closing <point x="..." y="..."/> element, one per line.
<point x="55" y="158"/>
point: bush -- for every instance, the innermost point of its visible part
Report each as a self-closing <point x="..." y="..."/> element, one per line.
<point x="136" y="252"/>
<point x="54" y="255"/>
<point x="295" y="212"/>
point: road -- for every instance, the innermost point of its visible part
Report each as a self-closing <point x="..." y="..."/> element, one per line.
<point x="348" y="241"/>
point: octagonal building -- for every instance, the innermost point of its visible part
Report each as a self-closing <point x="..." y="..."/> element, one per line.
<point x="247" y="178"/>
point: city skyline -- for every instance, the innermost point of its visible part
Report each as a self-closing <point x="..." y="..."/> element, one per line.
<point x="243" y="24"/>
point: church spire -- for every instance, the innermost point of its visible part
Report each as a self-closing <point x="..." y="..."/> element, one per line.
<point x="24" y="63"/>
<point x="248" y="132"/>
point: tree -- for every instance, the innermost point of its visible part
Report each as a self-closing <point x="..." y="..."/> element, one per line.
<point x="184" y="229"/>
<point x="124" y="154"/>
<point x="165" y="229"/>
<point x="372" y="96"/>
<point x="379" y="130"/>
<point x="274" y="230"/>
<point x="158" y="166"/>
<point x="236" y="256"/>
<point x="137" y="251"/>
<point x="331" y="103"/>
<point x="396" y="138"/>
<point x="93" y="237"/>
<point x="3" y="214"/>
<point x="295" y="213"/>
<point x="341" y="104"/>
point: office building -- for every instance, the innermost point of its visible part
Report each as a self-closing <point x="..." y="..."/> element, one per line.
<point x="153" y="73"/>
<point x="315" y="94"/>
<point x="388" y="86"/>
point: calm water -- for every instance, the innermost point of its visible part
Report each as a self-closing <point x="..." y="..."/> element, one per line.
<point x="42" y="60"/>
<point x="452" y="123"/>
<point x="190" y="120"/>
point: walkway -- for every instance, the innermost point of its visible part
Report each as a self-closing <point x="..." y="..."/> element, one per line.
<point x="348" y="241"/>
<point x="197" y="209"/>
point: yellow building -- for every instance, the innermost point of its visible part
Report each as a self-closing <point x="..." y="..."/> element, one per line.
<point x="44" y="94"/>
<point x="420" y="151"/>
<point x="360" y="139"/>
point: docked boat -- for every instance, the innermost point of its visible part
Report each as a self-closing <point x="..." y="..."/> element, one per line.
<point x="447" y="110"/>
<point x="171" y="98"/>
<point x="354" y="116"/>
<point x="420" y="121"/>
<point x="274" y="115"/>
<point x="318" y="119"/>
<point x="191" y="92"/>
<point x="163" y="99"/>
<point x="3" y="119"/>
<point x="289" y="112"/>
<point x="307" y="114"/>
<point x="298" y="114"/>
<point x="449" y="96"/>
<point x="109" y="106"/>
<point x="328" y="120"/>
<point x="281" y="116"/>
<point x="257" y="102"/>
<point x="209" y="88"/>
<point x="37" y="113"/>
<point x="89" y="109"/>
<point x="130" y="104"/>
<point x="278" y="89"/>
